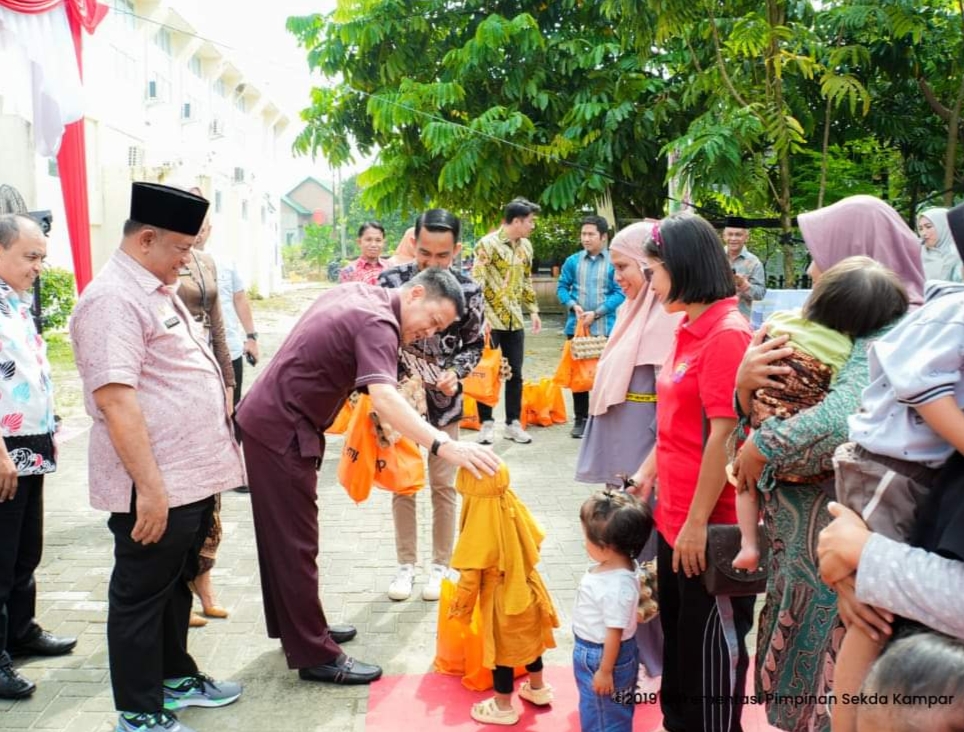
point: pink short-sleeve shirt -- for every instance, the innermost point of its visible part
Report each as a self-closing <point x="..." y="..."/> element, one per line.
<point x="129" y="328"/>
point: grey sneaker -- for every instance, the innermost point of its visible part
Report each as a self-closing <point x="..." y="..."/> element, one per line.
<point x="401" y="586"/>
<point x="160" y="722"/>
<point x="487" y="433"/>
<point x="515" y="433"/>
<point x="199" y="691"/>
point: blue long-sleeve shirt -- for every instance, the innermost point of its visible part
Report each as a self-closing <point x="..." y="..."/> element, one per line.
<point x="589" y="281"/>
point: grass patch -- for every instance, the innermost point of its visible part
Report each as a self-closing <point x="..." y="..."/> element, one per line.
<point x="60" y="352"/>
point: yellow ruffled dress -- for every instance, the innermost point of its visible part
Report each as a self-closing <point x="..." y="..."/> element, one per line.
<point x="496" y="555"/>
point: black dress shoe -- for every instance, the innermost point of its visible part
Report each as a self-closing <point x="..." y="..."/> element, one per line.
<point x="242" y="489"/>
<point x="12" y="684"/>
<point x="343" y="670"/>
<point x="578" y="428"/>
<point x="342" y="633"/>
<point x="43" y="644"/>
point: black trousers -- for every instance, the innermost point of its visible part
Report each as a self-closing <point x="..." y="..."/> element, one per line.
<point x="21" y="545"/>
<point x="580" y="400"/>
<point x="512" y="343"/>
<point x="150" y="605"/>
<point x="704" y="651"/>
<point x="503" y="677"/>
<point x="238" y="367"/>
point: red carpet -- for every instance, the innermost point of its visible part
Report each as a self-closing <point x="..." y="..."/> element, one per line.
<point x="431" y="702"/>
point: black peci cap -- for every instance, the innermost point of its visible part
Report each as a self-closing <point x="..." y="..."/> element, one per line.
<point x="735" y="222"/>
<point x="167" y="208"/>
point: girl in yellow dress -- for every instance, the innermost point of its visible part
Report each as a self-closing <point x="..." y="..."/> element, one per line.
<point x="496" y="555"/>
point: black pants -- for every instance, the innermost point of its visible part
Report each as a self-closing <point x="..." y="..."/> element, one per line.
<point x="580" y="400"/>
<point x="698" y="665"/>
<point x="21" y="544"/>
<point x="150" y="605"/>
<point x="512" y="343"/>
<point x="238" y="366"/>
<point x="503" y="677"/>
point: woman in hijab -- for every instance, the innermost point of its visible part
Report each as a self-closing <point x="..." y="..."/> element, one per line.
<point x="622" y="405"/>
<point x="799" y="627"/>
<point x="939" y="255"/>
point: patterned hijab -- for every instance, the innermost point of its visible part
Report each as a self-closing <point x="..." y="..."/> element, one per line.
<point x="865" y="225"/>
<point x="643" y="333"/>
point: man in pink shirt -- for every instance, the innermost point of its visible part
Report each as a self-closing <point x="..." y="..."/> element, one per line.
<point x="371" y="241"/>
<point x="160" y="448"/>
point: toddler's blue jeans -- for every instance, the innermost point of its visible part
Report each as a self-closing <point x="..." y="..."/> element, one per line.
<point x="604" y="712"/>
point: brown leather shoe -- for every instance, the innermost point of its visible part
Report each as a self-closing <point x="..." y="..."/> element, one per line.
<point x="196" y="621"/>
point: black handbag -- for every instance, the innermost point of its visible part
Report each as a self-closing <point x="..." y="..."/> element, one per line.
<point x="721" y="577"/>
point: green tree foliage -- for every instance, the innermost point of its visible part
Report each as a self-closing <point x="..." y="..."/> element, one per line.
<point x="58" y="293"/>
<point x="762" y="107"/>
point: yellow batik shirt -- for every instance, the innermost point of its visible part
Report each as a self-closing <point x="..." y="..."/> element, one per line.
<point x="504" y="272"/>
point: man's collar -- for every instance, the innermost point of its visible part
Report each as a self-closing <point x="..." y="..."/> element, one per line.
<point x="146" y="280"/>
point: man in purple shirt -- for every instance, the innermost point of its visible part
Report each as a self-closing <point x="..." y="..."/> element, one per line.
<point x="161" y="447"/>
<point x="348" y="339"/>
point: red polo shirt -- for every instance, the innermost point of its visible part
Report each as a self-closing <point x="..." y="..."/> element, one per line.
<point x="699" y="376"/>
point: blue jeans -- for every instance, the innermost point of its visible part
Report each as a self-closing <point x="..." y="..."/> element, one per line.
<point x="601" y="713"/>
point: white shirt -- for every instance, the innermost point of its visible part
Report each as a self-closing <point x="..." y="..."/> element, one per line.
<point x="605" y="600"/>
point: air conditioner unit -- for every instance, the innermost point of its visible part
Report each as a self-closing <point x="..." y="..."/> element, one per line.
<point x="187" y="113"/>
<point x="216" y="128"/>
<point x="152" y="91"/>
<point x="239" y="175"/>
<point x="135" y="157"/>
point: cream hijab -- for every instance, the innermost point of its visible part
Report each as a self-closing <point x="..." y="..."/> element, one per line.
<point x="643" y="333"/>
<point x="941" y="262"/>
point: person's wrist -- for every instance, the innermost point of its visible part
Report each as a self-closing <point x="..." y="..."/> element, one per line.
<point x="440" y="440"/>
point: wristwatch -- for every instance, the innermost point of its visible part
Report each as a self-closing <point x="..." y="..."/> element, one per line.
<point x="252" y="336"/>
<point x="438" y="442"/>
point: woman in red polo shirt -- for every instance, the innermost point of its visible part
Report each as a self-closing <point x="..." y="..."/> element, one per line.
<point x="704" y="653"/>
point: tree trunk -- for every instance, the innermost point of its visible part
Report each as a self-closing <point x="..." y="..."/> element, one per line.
<point x="950" y="153"/>
<point x="825" y="157"/>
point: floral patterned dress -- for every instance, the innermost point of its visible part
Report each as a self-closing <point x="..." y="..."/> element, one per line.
<point x="799" y="629"/>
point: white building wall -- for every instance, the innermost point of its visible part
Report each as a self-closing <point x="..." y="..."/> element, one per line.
<point x="139" y="74"/>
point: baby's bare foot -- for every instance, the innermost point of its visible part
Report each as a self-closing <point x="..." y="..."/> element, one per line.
<point x="748" y="559"/>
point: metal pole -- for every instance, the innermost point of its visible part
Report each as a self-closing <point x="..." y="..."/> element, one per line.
<point x="341" y="216"/>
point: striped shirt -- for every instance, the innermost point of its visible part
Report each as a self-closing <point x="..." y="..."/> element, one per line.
<point x="589" y="281"/>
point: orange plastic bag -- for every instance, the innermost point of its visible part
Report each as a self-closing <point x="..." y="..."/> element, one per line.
<point x="542" y="403"/>
<point x="458" y="645"/>
<point x="575" y="374"/>
<point x="470" y="414"/>
<point x="400" y="468"/>
<point x="342" y="419"/>
<point x="356" y="467"/>
<point x="484" y="383"/>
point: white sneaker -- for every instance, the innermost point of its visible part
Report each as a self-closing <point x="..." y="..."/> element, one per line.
<point x="515" y="433"/>
<point x="433" y="588"/>
<point x="487" y="433"/>
<point x="401" y="586"/>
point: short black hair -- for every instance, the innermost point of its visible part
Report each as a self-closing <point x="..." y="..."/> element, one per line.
<point x="370" y="225"/>
<point x="698" y="267"/>
<point x="617" y="520"/>
<point x="857" y="296"/>
<point x="440" y="284"/>
<point x="602" y="226"/>
<point x="439" y="219"/>
<point x="519" y="208"/>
